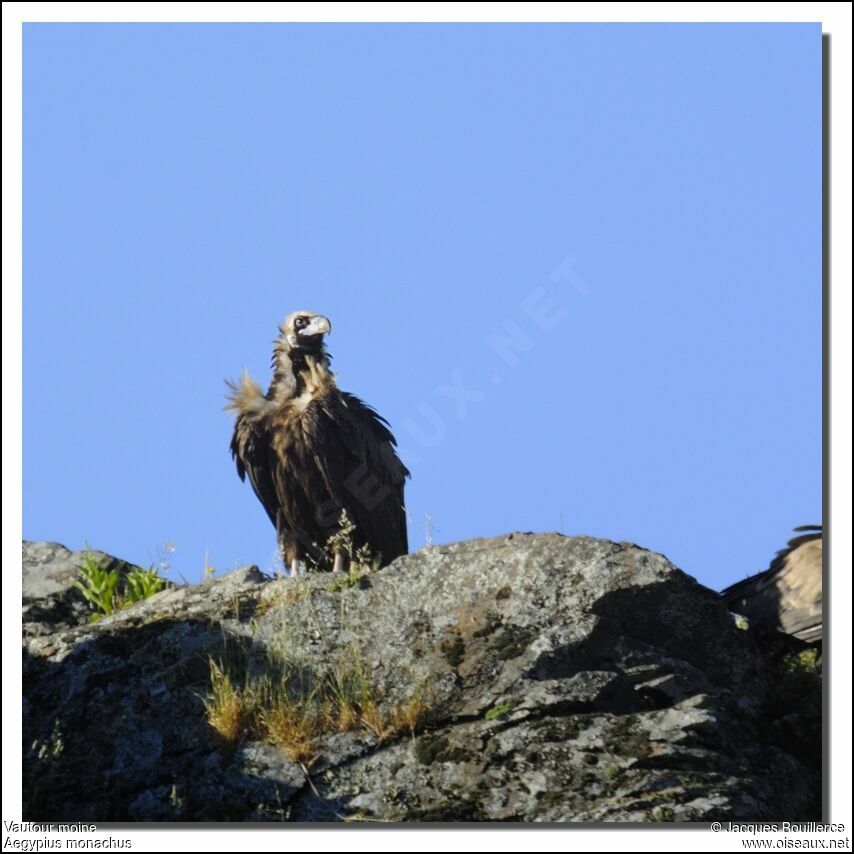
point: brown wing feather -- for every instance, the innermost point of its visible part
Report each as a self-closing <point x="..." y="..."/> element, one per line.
<point x="355" y="452"/>
<point x="250" y="448"/>
<point x="787" y="596"/>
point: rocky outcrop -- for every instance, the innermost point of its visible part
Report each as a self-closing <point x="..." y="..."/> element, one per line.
<point x="50" y="600"/>
<point x="521" y="678"/>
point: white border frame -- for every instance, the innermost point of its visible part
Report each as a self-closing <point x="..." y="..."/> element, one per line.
<point x="836" y="21"/>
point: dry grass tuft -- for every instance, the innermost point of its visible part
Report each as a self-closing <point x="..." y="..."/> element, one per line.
<point x="294" y="709"/>
<point x="411" y="714"/>
<point x="292" y="722"/>
<point x="229" y="709"/>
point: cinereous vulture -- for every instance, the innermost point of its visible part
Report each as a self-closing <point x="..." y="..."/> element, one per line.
<point x="312" y="451"/>
<point x="786" y="597"/>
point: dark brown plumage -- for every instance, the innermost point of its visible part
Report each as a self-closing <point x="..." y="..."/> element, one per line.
<point x="311" y="450"/>
<point x="785" y="597"/>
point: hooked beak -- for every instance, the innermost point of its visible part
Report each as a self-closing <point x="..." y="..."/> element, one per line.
<point x="318" y="325"/>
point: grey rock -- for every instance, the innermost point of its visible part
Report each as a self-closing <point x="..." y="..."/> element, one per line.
<point x="50" y="600"/>
<point x="561" y="679"/>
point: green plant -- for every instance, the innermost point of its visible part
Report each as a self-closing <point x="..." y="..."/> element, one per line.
<point x="498" y="711"/>
<point x="100" y="586"/>
<point x="142" y="583"/>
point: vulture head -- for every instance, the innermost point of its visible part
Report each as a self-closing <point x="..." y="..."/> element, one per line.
<point x="304" y="330"/>
<point x="300" y="360"/>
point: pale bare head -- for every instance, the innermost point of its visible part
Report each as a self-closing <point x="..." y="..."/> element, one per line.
<point x="304" y="330"/>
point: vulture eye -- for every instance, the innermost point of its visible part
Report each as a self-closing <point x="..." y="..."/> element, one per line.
<point x="300" y="322"/>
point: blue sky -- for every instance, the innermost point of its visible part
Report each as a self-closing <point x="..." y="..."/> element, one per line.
<point x="637" y="206"/>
